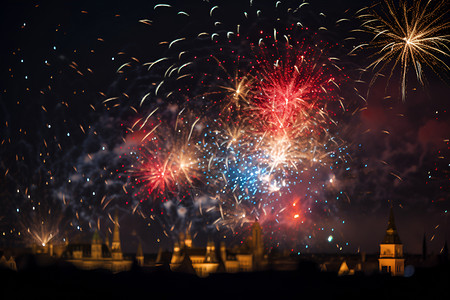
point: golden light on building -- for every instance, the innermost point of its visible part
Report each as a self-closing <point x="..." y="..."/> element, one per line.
<point x="391" y="258"/>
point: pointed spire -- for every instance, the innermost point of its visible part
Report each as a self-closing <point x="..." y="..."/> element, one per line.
<point x="96" y="246"/>
<point x="96" y="238"/>
<point x="391" y="222"/>
<point x="391" y="236"/>
<point x="188" y="239"/>
<point x="116" y="249"/>
<point x="116" y="234"/>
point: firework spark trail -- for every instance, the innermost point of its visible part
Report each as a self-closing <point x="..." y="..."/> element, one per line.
<point x="168" y="169"/>
<point x="237" y="112"/>
<point x="232" y="120"/>
<point x="250" y="156"/>
<point x="42" y="219"/>
<point x="169" y="156"/>
<point x="263" y="101"/>
<point x="407" y="36"/>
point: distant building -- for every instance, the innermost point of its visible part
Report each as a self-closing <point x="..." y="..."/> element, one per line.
<point x="345" y="270"/>
<point x="204" y="261"/>
<point x="49" y="248"/>
<point x="8" y="263"/>
<point x="347" y="264"/>
<point x="391" y="258"/>
<point x="99" y="255"/>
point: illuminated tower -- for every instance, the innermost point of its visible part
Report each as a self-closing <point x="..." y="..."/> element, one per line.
<point x="177" y="256"/>
<point x="96" y="246"/>
<point x="116" y="249"/>
<point x="188" y="239"/>
<point x="210" y="256"/>
<point x="223" y="251"/>
<point x="391" y="250"/>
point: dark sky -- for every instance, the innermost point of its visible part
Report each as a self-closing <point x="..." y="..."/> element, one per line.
<point x="59" y="62"/>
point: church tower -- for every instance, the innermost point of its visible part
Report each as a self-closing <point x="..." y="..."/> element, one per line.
<point x="177" y="256"/>
<point x="96" y="246"/>
<point x="391" y="250"/>
<point x="116" y="249"/>
<point x="188" y="239"/>
<point x="210" y="256"/>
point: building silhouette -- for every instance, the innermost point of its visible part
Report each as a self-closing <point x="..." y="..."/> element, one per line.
<point x="99" y="255"/>
<point x="391" y="258"/>
<point x="203" y="261"/>
<point x="8" y="263"/>
<point x="249" y="256"/>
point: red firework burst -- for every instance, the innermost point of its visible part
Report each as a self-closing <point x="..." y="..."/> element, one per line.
<point x="292" y="91"/>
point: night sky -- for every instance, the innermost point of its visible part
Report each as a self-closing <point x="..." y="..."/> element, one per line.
<point x="66" y="152"/>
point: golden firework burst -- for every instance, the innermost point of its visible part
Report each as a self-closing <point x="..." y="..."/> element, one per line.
<point x="407" y="34"/>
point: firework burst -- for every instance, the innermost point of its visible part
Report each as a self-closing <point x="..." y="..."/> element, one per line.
<point x="239" y="120"/>
<point x="408" y="36"/>
<point x="169" y="157"/>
